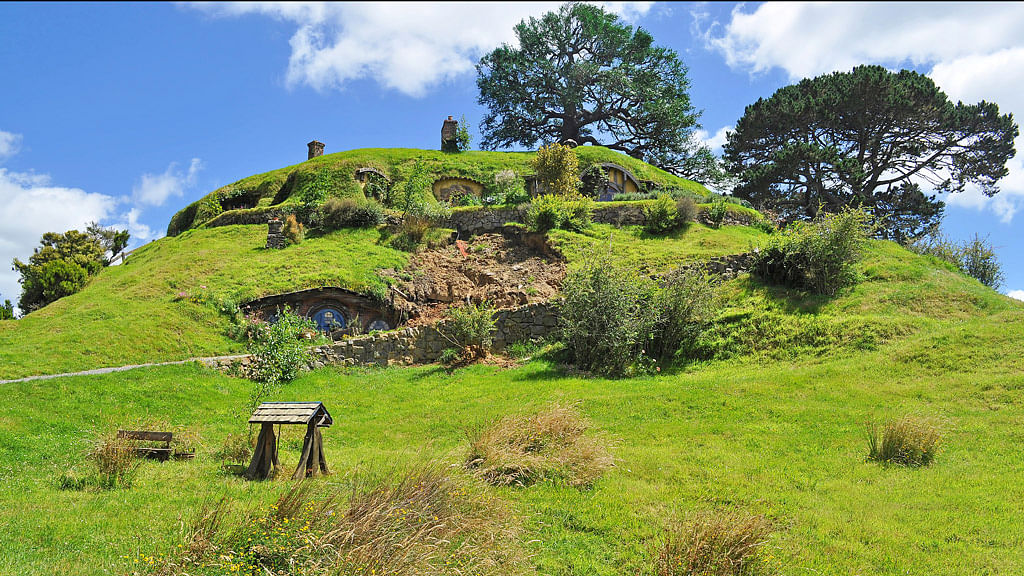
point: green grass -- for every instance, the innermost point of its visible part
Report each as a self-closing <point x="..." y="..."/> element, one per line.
<point x="785" y="439"/>
<point x="654" y="254"/>
<point x="128" y="313"/>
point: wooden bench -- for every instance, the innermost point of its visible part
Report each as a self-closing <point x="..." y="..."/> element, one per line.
<point x="149" y="451"/>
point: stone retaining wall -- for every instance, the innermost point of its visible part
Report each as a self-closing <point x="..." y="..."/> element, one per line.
<point x="419" y="344"/>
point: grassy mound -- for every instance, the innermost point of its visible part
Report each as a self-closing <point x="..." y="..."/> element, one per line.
<point x="286" y="186"/>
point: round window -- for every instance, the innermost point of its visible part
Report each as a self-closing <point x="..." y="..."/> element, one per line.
<point x="379" y="325"/>
<point x="329" y="320"/>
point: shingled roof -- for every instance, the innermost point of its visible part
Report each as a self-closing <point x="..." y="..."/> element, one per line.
<point x="292" y="413"/>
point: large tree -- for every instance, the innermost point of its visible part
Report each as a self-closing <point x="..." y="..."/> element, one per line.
<point x="579" y="74"/>
<point x="886" y="141"/>
<point x="63" y="264"/>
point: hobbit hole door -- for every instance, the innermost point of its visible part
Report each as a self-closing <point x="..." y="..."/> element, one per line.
<point x="329" y="319"/>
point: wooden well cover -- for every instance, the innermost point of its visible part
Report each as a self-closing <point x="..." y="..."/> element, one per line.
<point x="292" y="413"/>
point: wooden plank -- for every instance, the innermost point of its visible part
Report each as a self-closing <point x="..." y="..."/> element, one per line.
<point x="146" y="435"/>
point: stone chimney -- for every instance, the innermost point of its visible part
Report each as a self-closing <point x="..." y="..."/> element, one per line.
<point x="449" y="140"/>
<point x="275" y="234"/>
<point x="315" y="149"/>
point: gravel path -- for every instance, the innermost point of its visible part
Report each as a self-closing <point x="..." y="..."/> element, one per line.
<point x="116" y="369"/>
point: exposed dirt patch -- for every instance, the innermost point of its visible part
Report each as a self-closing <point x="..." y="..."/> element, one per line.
<point x="504" y="271"/>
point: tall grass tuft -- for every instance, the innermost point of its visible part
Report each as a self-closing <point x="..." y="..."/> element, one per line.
<point x="550" y="445"/>
<point x="909" y="441"/>
<point x="421" y="521"/>
<point x="114" y="459"/>
<point x="715" y="544"/>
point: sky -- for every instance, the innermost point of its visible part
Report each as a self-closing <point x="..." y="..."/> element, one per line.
<point x="124" y="113"/>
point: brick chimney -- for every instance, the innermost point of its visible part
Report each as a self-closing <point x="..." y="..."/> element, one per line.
<point x="449" y="141"/>
<point x="315" y="149"/>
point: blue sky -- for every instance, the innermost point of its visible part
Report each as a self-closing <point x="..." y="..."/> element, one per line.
<point x="124" y="113"/>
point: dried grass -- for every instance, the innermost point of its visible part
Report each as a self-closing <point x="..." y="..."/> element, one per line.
<point x="909" y="441"/>
<point x="114" y="459"/>
<point x="722" y="543"/>
<point x="548" y="446"/>
<point x="422" y="521"/>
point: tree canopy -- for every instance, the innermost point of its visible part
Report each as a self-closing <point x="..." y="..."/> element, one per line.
<point x="63" y="264"/>
<point x="868" y="138"/>
<point x="579" y="74"/>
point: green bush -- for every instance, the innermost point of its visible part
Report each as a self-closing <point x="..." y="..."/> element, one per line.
<point x="351" y="213"/>
<point x="975" y="258"/>
<point x="509" y="188"/>
<point x="819" y="256"/>
<point x="470" y="328"/>
<point x="207" y="209"/>
<point x="660" y="216"/>
<point x="979" y="261"/>
<point x="606" y="317"/>
<point x="717" y="212"/>
<point x="685" y="304"/>
<point x="557" y="169"/>
<point x="549" y="211"/>
<point x="279" y="349"/>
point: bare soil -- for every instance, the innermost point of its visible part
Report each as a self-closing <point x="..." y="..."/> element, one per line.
<point x="502" y="271"/>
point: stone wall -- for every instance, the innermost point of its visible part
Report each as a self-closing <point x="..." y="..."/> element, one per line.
<point x="419" y="344"/>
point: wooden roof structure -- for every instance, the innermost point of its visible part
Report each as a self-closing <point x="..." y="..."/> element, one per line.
<point x="292" y="413"/>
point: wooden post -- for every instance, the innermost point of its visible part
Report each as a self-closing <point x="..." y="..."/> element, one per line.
<point x="264" y="458"/>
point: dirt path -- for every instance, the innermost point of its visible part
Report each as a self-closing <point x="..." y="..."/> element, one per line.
<point x="111" y="369"/>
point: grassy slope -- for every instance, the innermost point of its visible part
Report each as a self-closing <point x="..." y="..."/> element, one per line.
<point x="128" y="315"/>
<point x="784" y="438"/>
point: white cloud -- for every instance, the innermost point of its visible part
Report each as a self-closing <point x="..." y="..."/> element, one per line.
<point x="807" y="39"/>
<point x="975" y="50"/>
<point x="9" y="144"/>
<point x="408" y="47"/>
<point x="716" y="142"/>
<point x="155" y="189"/>
<point x="1018" y="294"/>
<point x="30" y="206"/>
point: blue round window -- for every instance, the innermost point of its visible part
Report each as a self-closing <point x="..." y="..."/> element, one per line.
<point x="329" y="319"/>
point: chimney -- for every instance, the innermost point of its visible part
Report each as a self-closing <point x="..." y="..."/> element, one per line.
<point x="449" y="142"/>
<point x="315" y="149"/>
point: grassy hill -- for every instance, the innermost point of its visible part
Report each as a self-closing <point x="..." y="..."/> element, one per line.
<point x="771" y="420"/>
<point x="284" y="186"/>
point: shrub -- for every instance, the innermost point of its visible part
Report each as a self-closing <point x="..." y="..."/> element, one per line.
<point x="207" y="209"/>
<point x="717" y="212"/>
<point x="420" y="521"/>
<point x="606" y="317"/>
<point x="593" y="181"/>
<point x="280" y="350"/>
<point x="510" y="188"/>
<point x="548" y="211"/>
<point x="351" y="213"/>
<point x="909" y="441"/>
<point x="469" y="328"/>
<point x="294" y="230"/>
<point x="548" y="446"/>
<point x="976" y="258"/>
<point x="686" y="210"/>
<point x="685" y="305"/>
<point x="979" y="261"/>
<point x="715" y="544"/>
<point x="661" y="215"/>
<point x="557" y="169"/>
<point x="819" y="256"/>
